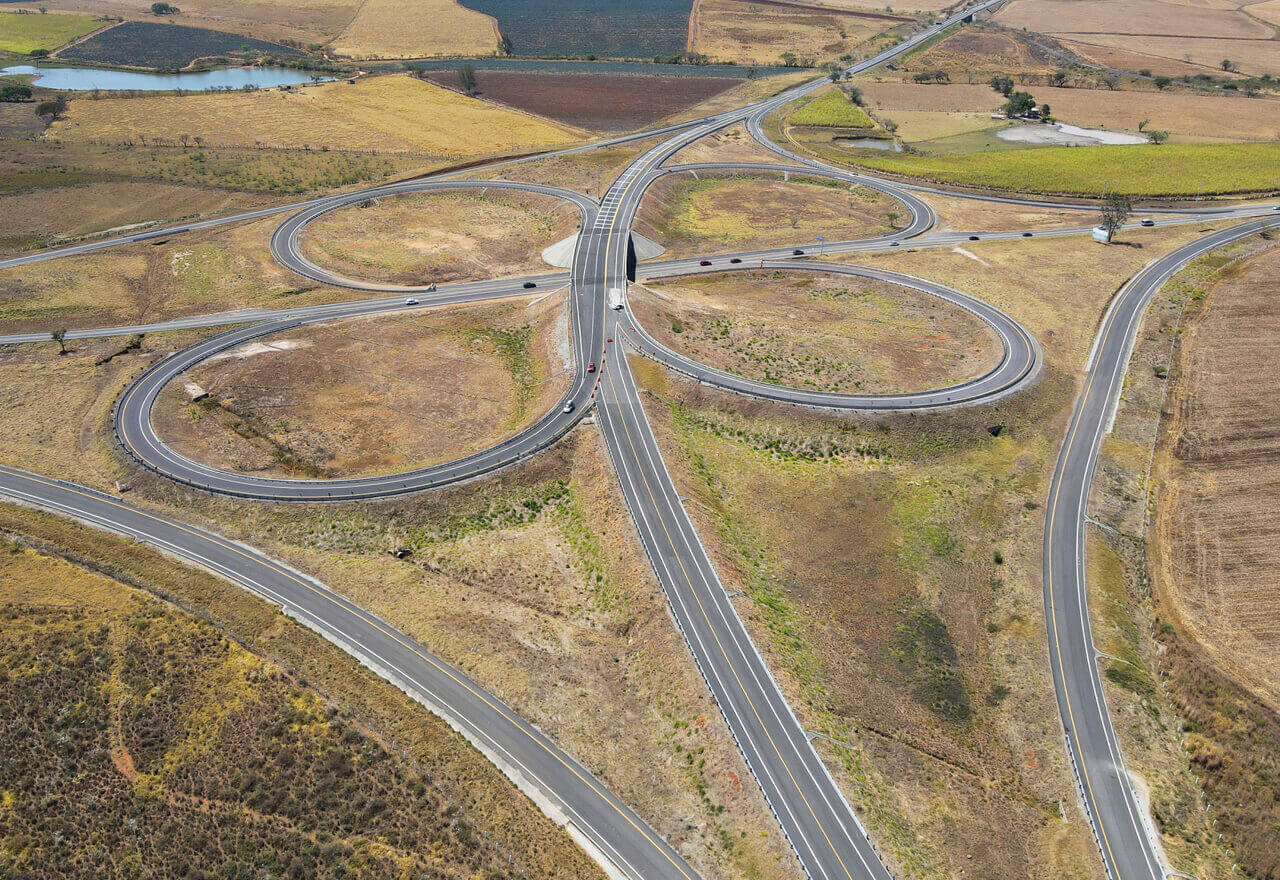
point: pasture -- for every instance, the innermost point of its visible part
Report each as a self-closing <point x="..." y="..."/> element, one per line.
<point x="832" y="109"/>
<point x="25" y="32"/>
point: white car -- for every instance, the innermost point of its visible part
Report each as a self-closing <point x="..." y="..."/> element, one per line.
<point x="568" y="407"/>
<point x="411" y="302"/>
<point x="1147" y="221"/>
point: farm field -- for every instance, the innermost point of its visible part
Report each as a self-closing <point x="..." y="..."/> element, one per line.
<point x="1184" y="116"/>
<point x="1177" y="31"/>
<point x="748" y="32"/>
<point x="370" y="396"/>
<point x="817" y="332"/>
<point x="24" y="32"/>
<point x="690" y="216"/>
<point x="152" y="44"/>
<point x="387" y="113"/>
<point x="143" y="717"/>
<point x="608" y="28"/>
<point x="973" y="54"/>
<point x="425" y="238"/>
<point x="598" y="102"/>
<point x="1142" y="170"/>
<point x="416" y="29"/>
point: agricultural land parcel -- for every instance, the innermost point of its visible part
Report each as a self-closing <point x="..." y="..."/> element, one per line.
<point x="387" y="113"/>
<point x="831" y="109"/>
<point x="1201" y="35"/>
<point x="597" y="101"/>
<point x="608" y="28"/>
<point x="24" y="32"/>
<point x="152" y="44"/>
<point x="748" y="32"/>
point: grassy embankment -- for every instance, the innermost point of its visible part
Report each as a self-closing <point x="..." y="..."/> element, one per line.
<point x="832" y="109"/>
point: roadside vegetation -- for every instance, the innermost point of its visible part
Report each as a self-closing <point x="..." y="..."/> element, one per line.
<point x="832" y="109"/>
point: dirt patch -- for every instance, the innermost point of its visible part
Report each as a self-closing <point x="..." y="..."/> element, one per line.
<point x="693" y="216"/>
<point x="595" y="101"/>
<point x="825" y="333"/>
<point x="371" y="396"/>
<point x="439" y="237"/>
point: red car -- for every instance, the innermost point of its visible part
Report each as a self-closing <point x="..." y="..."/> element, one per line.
<point x="704" y="263"/>
<point x="591" y="367"/>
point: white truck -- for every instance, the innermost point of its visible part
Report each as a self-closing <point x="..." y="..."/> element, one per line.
<point x="616" y="298"/>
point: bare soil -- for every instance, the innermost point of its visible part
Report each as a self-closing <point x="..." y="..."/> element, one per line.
<point x="818" y="332"/>
<point x="594" y="101"/>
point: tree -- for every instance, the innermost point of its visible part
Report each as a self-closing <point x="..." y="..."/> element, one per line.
<point x="60" y="337"/>
<point x="1019" y="104"/>
<point x="1116" y="209"/>
<point x="1045" y="112"/>
<point x="13" y="94"/>
<point x="164" y="9"/>
<point x="467" y="78"/>
<point x="1143" y="124"/>
<point x="1228" y="65"/>
<point x="789" y="59"/>
<point x="38" y="53"/>
<point x="1110" y="80"/>
<point x="854" y="94"/>
<point x="1002" y="83"/>
<point x="1157" y="137"/>
<point x="1060" y="77"/>
<point x="55" y="109"/>
<point x="834" y="70"/>
<point x="1162" y="82"/>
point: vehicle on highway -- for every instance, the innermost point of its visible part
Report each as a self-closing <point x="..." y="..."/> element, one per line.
<point x="895" y="244"/>
<point x="798" y="252"/>
<point x="431" y="287"/>
<point x="704" y="262"/>
<point x="616" y="299"/>
<point x="1026" y="235"/>
<point x="973" y="238"/>
<point x="591" y="367"/>
<point x="568" y="407"/>
<point x="1102" y="234"/>
<point x="411" y="302"/>
<point x="529" y="285"/>
<point x="1146" y="221"/>
<point x="735" y="259"/>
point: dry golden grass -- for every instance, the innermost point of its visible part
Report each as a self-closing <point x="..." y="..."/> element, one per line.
<point x="387" y="113"/>
<point x="1126" y="59"/>
<point x="746" y="33"/>
<point x="963" y="215"/>
<point x="1189" y="116"/>
<point x="816" y="332"/>
<point x="417" y="28"/>
<point x="46" y="217"/>
<point x="915" y="126"/>
<point x="452" y="236"/>
<point x="309" y="21"/>
<point x="1177" y="31"/>
<point x="1219" y="555"/>
<point x="374" y="395"/>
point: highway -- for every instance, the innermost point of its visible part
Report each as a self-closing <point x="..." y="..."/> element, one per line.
<point x="562" y="788"/>
<point x="821" y="826"/>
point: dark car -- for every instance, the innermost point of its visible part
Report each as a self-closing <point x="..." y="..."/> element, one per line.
<point x="894" y="244"/>
<point x="798" y="252"/>
<point x="591" y="367"/>
<point x="529" y="285"/>
<point x="704" y="262"/>
<point x="973" y="238"/>
<point x="735" y="259"/>
<point x="1026" y="235"/>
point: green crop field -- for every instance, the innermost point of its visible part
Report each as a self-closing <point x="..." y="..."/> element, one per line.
<point x="25" y="32"/>
<point x="832" y="109"/>
<point x="1140" y="170"/>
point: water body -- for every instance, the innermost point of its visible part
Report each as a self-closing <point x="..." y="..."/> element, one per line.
<point x="620" y="67"/>
<point x="88" y="78"/>
<point x="1061" y="134"/>
<point x="868" y="144"/>
<point x="609" y="28"/>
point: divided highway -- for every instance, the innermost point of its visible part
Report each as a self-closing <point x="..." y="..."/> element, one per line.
<point x="820" y="824"/>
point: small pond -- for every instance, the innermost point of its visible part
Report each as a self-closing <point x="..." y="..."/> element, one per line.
<point x="87" y="78"/>
<point x="854" y="143"/>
